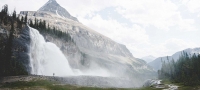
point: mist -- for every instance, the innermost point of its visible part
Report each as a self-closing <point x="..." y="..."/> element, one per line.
<point x="48" y="60"/>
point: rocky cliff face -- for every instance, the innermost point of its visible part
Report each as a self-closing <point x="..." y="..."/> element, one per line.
<point x="20" y="46"/>
<point x="69" y="49"/>
<point x="91" y="50"/>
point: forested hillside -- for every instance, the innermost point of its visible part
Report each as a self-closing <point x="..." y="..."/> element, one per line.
<point x="45" y="29"/>
<point x="186" y="70"/>
<point x="13" y="51"/>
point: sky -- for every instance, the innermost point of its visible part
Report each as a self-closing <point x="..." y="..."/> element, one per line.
<point x="146" y="27"/>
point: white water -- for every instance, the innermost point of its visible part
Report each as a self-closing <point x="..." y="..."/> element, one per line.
<point x="46" y="58"/>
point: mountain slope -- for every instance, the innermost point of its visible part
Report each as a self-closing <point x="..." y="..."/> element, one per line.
<point x="91" y="51"/>
<point x="157" y="64"/>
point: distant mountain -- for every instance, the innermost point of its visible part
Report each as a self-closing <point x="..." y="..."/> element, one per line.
<point x="53" y="7"/>
<point x="156" y="64"/>
<point x="148" y="58"/>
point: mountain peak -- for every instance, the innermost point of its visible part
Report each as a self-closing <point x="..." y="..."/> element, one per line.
<point x="50" y="1"/>
<point x="53" y="7"/>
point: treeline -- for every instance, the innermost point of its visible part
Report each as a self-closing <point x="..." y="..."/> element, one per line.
<point x="9" y="66"/>
<point x="185" y="70"/>
<point x="45" y="29"/>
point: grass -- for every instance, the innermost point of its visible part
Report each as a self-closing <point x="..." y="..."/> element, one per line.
<point x="166" y="81"/>
<point x="44" y="84"/>
<point x="181" y="85"/>
<point x="50" y="85"/>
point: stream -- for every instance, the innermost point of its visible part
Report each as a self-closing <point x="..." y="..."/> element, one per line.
<point x="157" y="84"/>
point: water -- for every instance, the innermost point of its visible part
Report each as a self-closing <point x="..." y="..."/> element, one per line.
<point x="46" y="58"/>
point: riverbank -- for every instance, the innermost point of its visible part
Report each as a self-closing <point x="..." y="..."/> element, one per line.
<point x="49" y="85"/>
<point x="181" y="86"/>
<point x="35" y="82"/>
<point x="84" y="81"/>
<point x="53" y="83"/>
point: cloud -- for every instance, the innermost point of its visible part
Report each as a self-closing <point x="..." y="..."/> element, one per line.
<point x="192" y="5"/>
<point x="117" y="31"/>
<point x="165" y="15"/>
<point x="82" y="8"/>
<point x="173" y="45"/>
<point x="162" y="14"/>
<point x="165" y="48"/>
<point x="23" y="5"/>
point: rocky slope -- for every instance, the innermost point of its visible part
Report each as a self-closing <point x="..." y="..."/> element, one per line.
<point x="91" y="50"/>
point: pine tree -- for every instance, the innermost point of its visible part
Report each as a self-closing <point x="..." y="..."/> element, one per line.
<point x="48" y="27"/>
<point x="14" y="15"/>
<point x="35" y="25"/>
<point x="5" y="14"/>
<point x="25" y="18"/>
<point x="9" y="51"/>
<point x="22" y="19"/>
<point x="31" y="23"/>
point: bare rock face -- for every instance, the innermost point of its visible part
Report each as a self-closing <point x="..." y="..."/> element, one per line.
<point x="53" y="7"/>
<point x="20" y="46"/>
<point x="91" y="50"/>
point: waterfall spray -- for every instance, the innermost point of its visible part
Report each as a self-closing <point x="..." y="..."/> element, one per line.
<point x="46" y="58"/>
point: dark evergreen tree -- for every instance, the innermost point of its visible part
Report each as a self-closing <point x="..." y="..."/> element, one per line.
<point x="25" y="19"/>
<point x="5" y="14"/>
<point x="185" y="70"/>
<point x="9" y="66"/>
<point x="22" y="19"/>
<point x="35" y="23"/>
<point x="14" y="15"/>
<point x="9" y="51"/>
<point x="31" y="23"/>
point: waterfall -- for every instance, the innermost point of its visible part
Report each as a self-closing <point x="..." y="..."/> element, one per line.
<point x="46" y="58"/>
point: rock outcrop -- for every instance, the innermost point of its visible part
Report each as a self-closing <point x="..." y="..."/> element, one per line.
<point x="20" y="47"/>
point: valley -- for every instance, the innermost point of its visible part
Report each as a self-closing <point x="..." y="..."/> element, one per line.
<point x="49" y="49"/>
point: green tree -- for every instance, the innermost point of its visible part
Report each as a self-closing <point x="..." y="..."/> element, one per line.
<point x="22" y="19"/>
<point x="26" y="18"/>
<point x="14" y="15"/>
